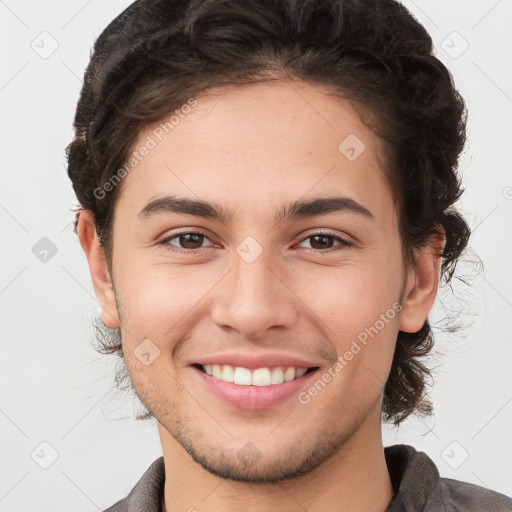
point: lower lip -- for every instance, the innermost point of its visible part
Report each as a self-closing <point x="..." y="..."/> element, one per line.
<point x="253" y="397"/>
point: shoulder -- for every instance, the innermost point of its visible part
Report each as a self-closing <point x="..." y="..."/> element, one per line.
<point x="146" y="495"/>
<point x="466" y="497"/>
<point x="418" y="486"/>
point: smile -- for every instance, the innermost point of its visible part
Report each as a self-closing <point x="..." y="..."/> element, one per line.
<point x="265" y="376"/>
<point x="255" y="388"/>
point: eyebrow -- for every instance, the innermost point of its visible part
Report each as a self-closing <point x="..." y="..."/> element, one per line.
<point x="294" y="210"/>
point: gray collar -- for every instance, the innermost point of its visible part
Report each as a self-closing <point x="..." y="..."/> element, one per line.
<point x="415" y="478"/>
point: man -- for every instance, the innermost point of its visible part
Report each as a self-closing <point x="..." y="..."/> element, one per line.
<point x="266" y="205"/>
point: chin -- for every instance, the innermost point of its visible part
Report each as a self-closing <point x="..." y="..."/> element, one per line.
<point x="260" y="462"/>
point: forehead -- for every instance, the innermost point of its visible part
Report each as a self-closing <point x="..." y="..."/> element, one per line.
<point x="274" y="140"/>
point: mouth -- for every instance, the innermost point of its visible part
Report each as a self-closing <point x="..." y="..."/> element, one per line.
<point x="254" y="388"/>
<point x="264" y="376"/>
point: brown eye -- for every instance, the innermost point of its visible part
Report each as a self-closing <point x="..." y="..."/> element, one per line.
<point x="321" y="241"/>
<point x="185" y="242"/>
<point x="324" y="241"/>
<point x="190" y="240"/>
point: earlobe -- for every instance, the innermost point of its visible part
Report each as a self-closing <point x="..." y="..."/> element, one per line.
<point x="422" y="285"/>
<point x="98" y="268"/>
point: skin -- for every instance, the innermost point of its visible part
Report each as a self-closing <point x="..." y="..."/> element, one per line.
<point x="252" y="149"/>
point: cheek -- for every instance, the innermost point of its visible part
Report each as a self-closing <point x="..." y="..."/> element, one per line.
<point x="157" y="303"/>
<point x="358" y="312"/>
<point x="351" y="298"/>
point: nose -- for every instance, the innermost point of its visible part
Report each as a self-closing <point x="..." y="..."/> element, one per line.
<point x="254" y="298"/>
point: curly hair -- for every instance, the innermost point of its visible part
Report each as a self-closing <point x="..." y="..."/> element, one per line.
<point x="157" y="54"/>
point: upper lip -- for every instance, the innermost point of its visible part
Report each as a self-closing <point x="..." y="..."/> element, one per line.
<point x="252" y="361"/>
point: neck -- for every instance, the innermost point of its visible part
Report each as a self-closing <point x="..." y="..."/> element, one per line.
<point x="354" y="479"/>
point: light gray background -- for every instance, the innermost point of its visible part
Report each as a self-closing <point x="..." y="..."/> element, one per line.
<point x="56" y="390"/>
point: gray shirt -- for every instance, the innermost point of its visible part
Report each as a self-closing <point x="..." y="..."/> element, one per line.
<point x="415" y="478"/>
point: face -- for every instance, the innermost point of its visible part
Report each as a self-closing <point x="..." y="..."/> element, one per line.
<point x="291" y="289"/>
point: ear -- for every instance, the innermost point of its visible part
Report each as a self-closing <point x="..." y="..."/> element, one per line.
<point x="98" y="267"/>
<point x="422" y="284"/>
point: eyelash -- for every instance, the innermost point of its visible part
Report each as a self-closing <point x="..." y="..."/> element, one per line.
<point x="344" y="244"/>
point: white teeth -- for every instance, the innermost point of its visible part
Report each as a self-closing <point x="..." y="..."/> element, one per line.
<point x="217" y="370"/>
<point x="227" y="374"/>
<point x="277" y="376"/>
<point x="258" y="377"/>
<point x="261" y="377"/>
<point x="242" y="376"/>
<point x="289" y="374"/>
<point x="299" y="372"/>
